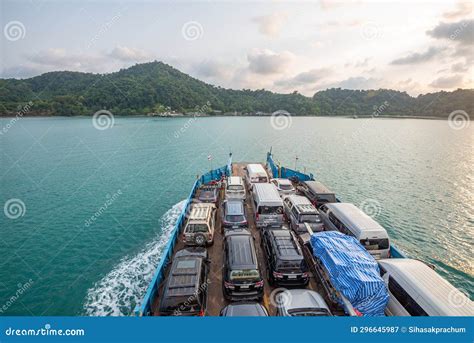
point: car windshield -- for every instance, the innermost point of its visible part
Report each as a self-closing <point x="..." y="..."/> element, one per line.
<point x="298" y="266"/>
<point x="286" y="187"/>
<point x="235" y="188"/>
<point x="193" y="228"/>
<point x="234" y="218"/>
<point x="375" y="244"/>
<point x="244" y="274"/>
<point x="310" y="218"/>
<point x="308" y="312"/>
<point x="270" y="210"/>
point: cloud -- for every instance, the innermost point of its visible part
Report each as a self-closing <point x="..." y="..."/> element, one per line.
<point x="60" y="59"/>
<point x="271" y="25"/>
<point x="460" y="67"/>
<point x="269" y="62"/>
<point x="461" y="31"/>
<point x="419" y="57"/>
<point x="126" y="54"/>
<point x="453" y="81"/>
<point x="463" y="9"/>
<point x="358" y="82"/>
<point x="212" y="69"/>
<point x="309" y="77"/>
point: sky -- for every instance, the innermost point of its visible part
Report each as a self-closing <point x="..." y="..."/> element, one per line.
<point x="304" y="46"/>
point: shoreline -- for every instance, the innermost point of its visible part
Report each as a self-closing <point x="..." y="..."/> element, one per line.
<point x="234" y="116"/>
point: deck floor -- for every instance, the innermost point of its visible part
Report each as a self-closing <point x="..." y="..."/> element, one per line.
<point x="216" y="300"/>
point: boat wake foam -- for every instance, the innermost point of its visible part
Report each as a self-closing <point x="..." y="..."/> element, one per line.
<point x="124" y="287"/>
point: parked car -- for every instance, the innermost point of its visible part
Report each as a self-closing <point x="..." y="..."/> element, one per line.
<point x="208" y="193"/>
<point x="301" y="302"/>
<point x="185" y="291"/>
<point x="317" y="193"/>
<point x="200" y="225"/>
<point x="284" y="186"/>
<point x="241" y="272"/>
<point x="285" y="261"/>
<point x="235" y="188"/>
<point x="299" y="210"/>
<point x="244" y="309"/>
<point x="267" y="205"/>
<point x="234" y="214"/>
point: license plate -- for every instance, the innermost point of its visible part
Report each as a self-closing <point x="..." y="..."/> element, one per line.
<point x="291" y="276"/>
<point x="244" y="286"/>
<point x="235" y="227"/>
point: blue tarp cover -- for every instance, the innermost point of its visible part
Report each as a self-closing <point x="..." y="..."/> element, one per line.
<point x="352" y="270"/>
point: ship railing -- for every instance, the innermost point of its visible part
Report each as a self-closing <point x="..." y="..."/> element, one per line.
<point x="145" y="308"/>
<point x="286" y="173"/>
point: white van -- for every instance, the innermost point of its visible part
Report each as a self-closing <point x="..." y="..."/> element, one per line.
<point x="267" y="205"/>
<point x="417" y="290"/>
<point x="350" y="220"/>
<point x="255" y="173"/>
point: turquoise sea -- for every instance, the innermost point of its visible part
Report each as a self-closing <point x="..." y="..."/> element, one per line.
<point x="87" y="212"/>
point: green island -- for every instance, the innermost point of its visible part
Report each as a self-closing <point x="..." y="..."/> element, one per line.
<point x="158" y="89"/>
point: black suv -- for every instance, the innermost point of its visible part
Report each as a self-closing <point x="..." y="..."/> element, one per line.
<point x="285" y="261"/>
<point x="241" y="273"/>
<point x="185" y="292"/>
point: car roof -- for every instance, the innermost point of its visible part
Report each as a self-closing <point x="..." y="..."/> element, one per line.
<point x="235" y="180"/>
<point x="200" y="211"/>
<point x="245" y="309"/>
<point x="241" y="251"/>
<point x="302" y="203"/>
<point x="318" y="187"/>
<point x="256" y="169"/>
<point x="234" y="207"/>
<point x="434" y="294"/>
<point x="183" y="278"/>
<point x="267" y="192"/>
<point x="283" y="181"/>
<point x="303" y="298"/>
<point x="357" y="220"/>
<point x="286" y="245"/>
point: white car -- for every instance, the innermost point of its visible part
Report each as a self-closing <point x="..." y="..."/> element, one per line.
<point x="284" y="186"/>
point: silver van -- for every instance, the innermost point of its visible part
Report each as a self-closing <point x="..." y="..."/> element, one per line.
<point x="416" y="289"/>
<point x="267" y="205"/>
<point x="350" y="220"/>
<point x="299" y="210"/>
<point x="235" y="188"/>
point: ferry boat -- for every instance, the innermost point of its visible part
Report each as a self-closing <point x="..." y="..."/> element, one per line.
<point x="436" y="295"/>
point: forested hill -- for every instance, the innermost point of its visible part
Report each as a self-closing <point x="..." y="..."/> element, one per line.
<point x="157" y="87"/>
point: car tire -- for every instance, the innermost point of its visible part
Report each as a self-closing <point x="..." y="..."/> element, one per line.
<point x="200" y="239"/>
